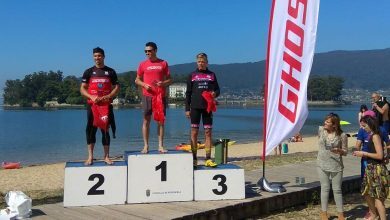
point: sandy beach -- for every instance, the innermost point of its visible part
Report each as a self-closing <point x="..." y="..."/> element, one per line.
<point x="50" y="178"/>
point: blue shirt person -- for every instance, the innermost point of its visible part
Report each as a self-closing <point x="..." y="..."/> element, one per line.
<point x="362" y="139"/>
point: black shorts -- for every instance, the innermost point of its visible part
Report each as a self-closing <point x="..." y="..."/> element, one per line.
<point x="207" y="118"/>
<point x="147" y="105"/>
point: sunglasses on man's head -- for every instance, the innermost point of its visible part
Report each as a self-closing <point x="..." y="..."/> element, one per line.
<point x="333" y="114"/>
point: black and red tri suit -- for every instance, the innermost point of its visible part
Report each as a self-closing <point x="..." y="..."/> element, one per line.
<point x="197" y="82"/>
<point x="100" y="83"/>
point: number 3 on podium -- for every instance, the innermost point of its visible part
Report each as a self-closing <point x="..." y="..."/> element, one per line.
<point x="221" y="183"/>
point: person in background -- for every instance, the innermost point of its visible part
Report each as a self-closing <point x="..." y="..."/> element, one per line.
<point x="376" y="180"/>
<point x="152" y="75"/>
<point x="363" y="108"/>
<point x="99" y="85"/>
<point x="363" y="137"/>
<point x="200" y="81"/>
<point x="332" y="143"/>
<point x="381" y="108"/>
<point x="362" y="140"/>
<point x="278" y="148"/>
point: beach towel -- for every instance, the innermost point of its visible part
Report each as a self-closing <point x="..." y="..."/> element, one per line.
<point x="158" y="106"/>
<point x="210" y="101"/>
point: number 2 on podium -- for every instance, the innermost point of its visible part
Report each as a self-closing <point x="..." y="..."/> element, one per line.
<point x="94" y="189"/>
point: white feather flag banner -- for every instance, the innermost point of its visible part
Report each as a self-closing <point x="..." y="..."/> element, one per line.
<point x="291" y="44"/>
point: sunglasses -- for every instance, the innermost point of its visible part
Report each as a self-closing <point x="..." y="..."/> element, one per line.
<point x="148" y="51"/>
<point x="333" y="114"/>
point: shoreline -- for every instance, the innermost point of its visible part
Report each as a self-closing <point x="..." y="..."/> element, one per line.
<point x="252" y="103"/>
<point x="246" y="145"/>
<point x="42" y="176"/>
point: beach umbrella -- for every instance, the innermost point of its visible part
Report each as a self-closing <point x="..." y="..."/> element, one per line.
<point x="344" y="123"/>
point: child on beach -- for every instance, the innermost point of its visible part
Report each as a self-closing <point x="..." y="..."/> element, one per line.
<point x="363" y="108"/>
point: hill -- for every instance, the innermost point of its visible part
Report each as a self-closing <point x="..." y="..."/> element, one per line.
<point x="369" y="69"/>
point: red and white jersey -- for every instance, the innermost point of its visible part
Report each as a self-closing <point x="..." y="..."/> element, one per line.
<point x="152" y="72"/>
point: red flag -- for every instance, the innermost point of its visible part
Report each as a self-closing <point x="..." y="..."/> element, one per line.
<point x="211" y="104"/>
<point x="158" y="105"/>
<point x="101" y="116"/>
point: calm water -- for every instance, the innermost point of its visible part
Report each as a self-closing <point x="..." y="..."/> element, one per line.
<point x="40" y="136"/>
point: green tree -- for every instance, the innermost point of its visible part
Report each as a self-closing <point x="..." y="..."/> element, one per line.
<point x="13" y="92"/>
<point x="321" y="88"/>
<point x="43" y="86"/>
<point x="179" y="78"/>
<point x="128" y="91"/>
<point x="70" y="91"/>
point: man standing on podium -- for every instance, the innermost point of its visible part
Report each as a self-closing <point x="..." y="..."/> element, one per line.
<point x="202" y="89"/>
<point x="99" y="85"/>
<point x="153" y="77"/>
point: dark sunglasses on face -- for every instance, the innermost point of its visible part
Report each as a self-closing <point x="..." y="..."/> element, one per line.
<point x="148" y="51"/>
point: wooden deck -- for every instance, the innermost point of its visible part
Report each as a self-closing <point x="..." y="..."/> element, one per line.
<point x="257" y="202"/>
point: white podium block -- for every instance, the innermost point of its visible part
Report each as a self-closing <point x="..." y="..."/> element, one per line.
<point x="156" y="177"/>
<point x="226" y="181"/>
<point x="98" y="184"/>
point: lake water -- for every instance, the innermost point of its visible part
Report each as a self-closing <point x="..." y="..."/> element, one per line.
<point x="47" y="136"/>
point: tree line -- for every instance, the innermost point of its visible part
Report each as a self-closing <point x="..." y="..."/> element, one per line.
<point x="40" y="87"/>
<point x="322" y="88"/>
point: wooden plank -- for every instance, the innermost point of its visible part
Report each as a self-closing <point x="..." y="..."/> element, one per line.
<point x="57" y="211"/>
<point x="146" y="211"/>
<point x="43" y="217"/>
<point x="129" y="210"/>
<point x="107" y="213"/>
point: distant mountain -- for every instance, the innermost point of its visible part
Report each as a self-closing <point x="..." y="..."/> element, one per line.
<point x="369" y="69"/>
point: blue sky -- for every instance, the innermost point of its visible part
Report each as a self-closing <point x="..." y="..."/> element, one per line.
<point x="43" y="35"/>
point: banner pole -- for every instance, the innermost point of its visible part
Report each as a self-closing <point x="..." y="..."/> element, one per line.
<point x="263" y="183"/>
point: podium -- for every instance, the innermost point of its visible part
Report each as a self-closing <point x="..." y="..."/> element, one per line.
<point x="152" y="177"/>
<point x="226" y="181"/>
<point x="98" y="184"/>
<point x="156" y="177"/>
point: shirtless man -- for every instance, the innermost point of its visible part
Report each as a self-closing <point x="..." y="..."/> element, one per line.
<point x="381" y="108"/>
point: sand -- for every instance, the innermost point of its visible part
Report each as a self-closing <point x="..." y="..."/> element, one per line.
<point x="44" y="177"/>
<point x="51" y="177"/>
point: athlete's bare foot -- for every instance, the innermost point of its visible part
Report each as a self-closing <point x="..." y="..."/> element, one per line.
<point x="108" y="161"/>
<point x="145" y="150"/>
<point x="88" y="162"/>
<point x="161" y="150"/>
